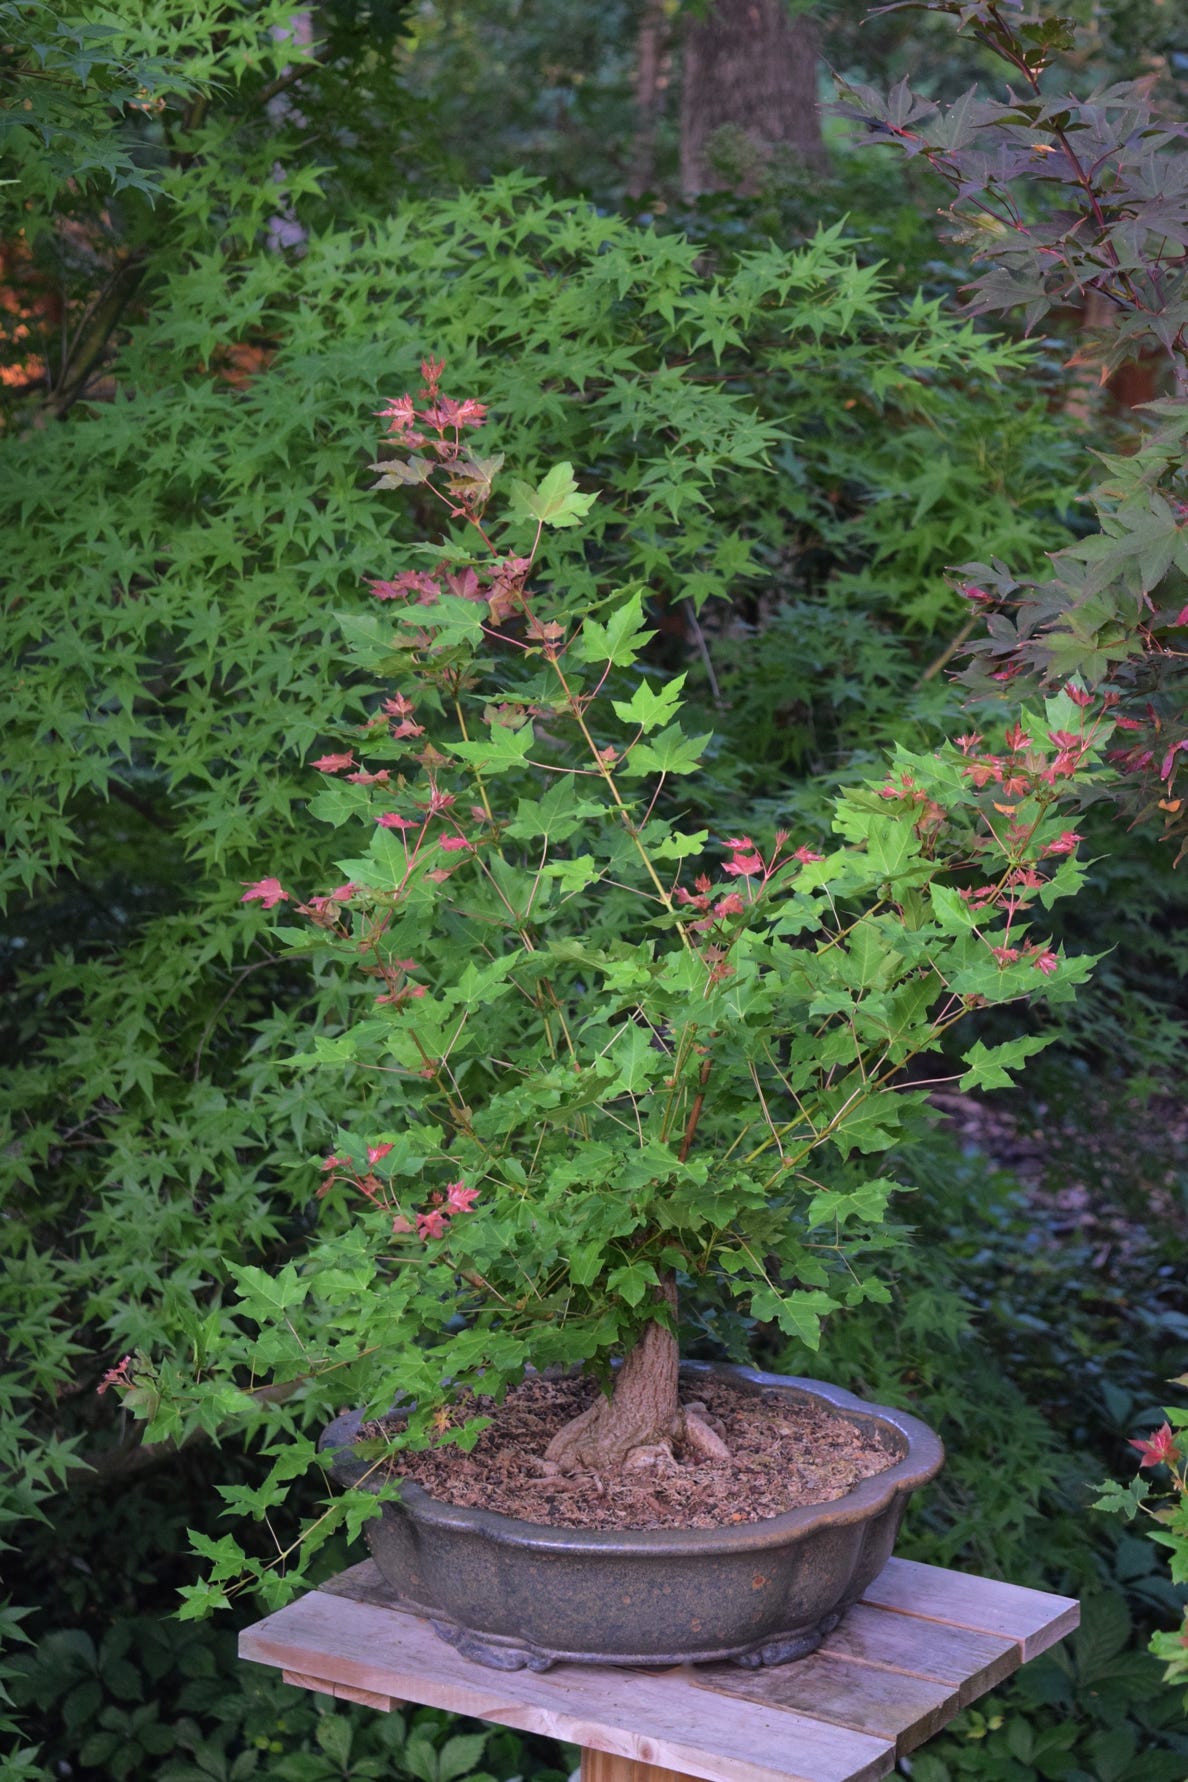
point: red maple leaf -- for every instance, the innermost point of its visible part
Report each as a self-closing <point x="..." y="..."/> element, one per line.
<point x="267" y="892"/>
<point x="1160" y="1450"/>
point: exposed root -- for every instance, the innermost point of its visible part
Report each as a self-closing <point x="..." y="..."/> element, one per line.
<point x="587" y="1481"/>
<point x="598" y="1442"/>
<point x="657" y="1455"/>
<point x="567" y="1451"/>
<point x="700" y="1437"/>
<point x="642" y="1424"/>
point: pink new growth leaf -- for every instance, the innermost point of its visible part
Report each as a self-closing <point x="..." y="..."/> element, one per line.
<point x="459" y="1198"/>
<point x="431" y="1224"/>
<point x="334" y="763"/>
<point x="1065" y="843"/>
<point x="1160" y="1450"/>
<point x="115" y="1376"/>
<point x="413" y="581"/>
<point x="265" y="891"/>
<point x="398" y="412"/>
<point x="446" y="413"/>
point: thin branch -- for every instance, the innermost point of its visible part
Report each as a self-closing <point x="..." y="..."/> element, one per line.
<point x="695" y="1111"/>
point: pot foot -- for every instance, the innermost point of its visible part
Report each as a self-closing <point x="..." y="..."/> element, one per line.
<point x="784" y="1651"/>
<point x="496" y="1655"/>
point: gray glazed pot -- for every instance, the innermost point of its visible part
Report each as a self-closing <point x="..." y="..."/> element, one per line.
<point x="512" y="1594"/>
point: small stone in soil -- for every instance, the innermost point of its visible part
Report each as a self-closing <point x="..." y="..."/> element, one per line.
<point x="784" y="1455"/>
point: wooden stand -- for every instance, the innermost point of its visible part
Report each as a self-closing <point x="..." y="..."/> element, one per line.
<point x="921" y="1645"/>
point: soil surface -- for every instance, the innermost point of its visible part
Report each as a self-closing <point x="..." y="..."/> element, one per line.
<point x="783" y="1455"/>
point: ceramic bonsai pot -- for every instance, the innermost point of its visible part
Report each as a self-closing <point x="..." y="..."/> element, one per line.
<point x="512" y="1594"/>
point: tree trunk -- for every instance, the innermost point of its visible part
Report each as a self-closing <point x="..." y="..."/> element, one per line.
<point x="651" y="79"/>
<point x="751" y="71"/>
<point x="643" y="1418"/>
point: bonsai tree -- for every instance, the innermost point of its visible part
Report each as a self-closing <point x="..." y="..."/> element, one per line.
<point x="599" y="1040"/>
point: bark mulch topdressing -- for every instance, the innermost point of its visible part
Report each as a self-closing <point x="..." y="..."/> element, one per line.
<point x="784" y="1454"/>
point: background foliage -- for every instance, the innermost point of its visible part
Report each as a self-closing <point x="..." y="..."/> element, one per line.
<point x="222" y="244"/>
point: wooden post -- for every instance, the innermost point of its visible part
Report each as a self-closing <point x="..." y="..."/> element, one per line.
<point x="602" y="1766"/>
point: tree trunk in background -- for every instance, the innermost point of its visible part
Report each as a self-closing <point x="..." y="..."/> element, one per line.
<point x="749" y="67"/>
<point x="652" y="61"/>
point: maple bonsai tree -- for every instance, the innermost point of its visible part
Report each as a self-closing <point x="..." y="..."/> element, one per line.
<point x="600" y="1042"/>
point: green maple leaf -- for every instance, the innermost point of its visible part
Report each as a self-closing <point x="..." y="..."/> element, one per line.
<point x="671" y="751"/>
<point x="620" y="640"/>
<point x="554" y="502"/>
<point x="650" y="706"/>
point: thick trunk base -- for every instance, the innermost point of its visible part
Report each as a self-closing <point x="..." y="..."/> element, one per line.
<point x="643" y="1423"/>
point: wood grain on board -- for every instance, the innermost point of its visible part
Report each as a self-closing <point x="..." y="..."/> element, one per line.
<point x="897" y="1676"/>
<point x="1034" y="1618"/>
<point x="600" y="1766"/>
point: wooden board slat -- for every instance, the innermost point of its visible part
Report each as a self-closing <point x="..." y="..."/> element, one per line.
<point x="968" y="1662"/>
<point x="663" y="1720"/>
<point x="897" y="1677"/>
<point x="888" y="1704"/>
<point x="342" y="1692"/>
<point x="1034" y="1618"/>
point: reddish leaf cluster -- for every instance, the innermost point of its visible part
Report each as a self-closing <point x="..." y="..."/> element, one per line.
<point x="437" y="427"/>
<point x="116" y="1376"/>
<point x="715" y="904"/>
<point x="430" y="1222"/>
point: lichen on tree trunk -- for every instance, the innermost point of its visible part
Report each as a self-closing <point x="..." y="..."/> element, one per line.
<point x="642" y="1423"/>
